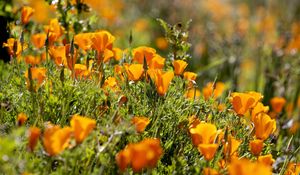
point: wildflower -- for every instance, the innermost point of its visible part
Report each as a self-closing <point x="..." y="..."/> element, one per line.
<point x="231" y="146"/>
<point x="179" y="66"/>
<point x="191" y="76"/>
<point x="266" y="159"/>
<point x="134" y="71"/>
<point x="82" y="127"/>
<point x="38" y="40"/>
<point x="83" y="40"/>
<point x="118" y="53"/>
<point x="38" y="76"/>
<point x="140" y="123"/>
<point x="56" y="139"/>
<point x="208" y="150"/>
<point x="246" y="167"/>
<point x="144" y="154"/>
<point x="203" y="133"/>
<point x="71" y="58"/>
<point x="256" y="146"/>
<point x="33" y="60"/>
<point x="157" y="62"/>
<point x="58" y="54"/>
<point x="264" y="126"/>
<point x="81" y="71"/>
<point x="34" y="134"/>
<point x="102" y="41"/>
<point x="242" y="102"/>
<point x="22" y="118"/>
<point x="277" y="104"/>
<point x="26" y="13"/>
<point x="209" y="171"/>
<point x="161" y="43"/>
<point x="293" y="169"/>
<point x="161" y="80"/>
<point x="209" y="90"/>
<point x="259" y="108"/>
<point x="140" y="52"/>
<point x="53" y="30"/>
<point x="14" y="47"/>
<point x="192" y="93"/>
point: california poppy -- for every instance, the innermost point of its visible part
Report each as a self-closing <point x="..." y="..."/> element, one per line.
<point x="102" y="41"/>
<point x="242" y="102"/>
<point x="83" y="40"/>
<point x="111" y="83"/>
<point x="140" y="123"/>
<point x="203" y="133"/>
<point x="38" y="75"/>
<point x="157" y="62"/>
<point x="191" y="76"/>
<point x="256" y="146"/>
<point x="134" y="71"/>
<point x="33" y="60"/>
<point x="266" y="159"/>
<point x="246" y="167"/>
<point x="231" y="146"/>
<point x="264" y="126"/>
<point x="293" y="169"/>
<point x="214" y="90"/>
<point x="22" y="118"/>
<point x="81" y="71"/>
<point x="56" y="139"/>
<point x="34" y="134"/>
<point x="192" y="93"/>
<point x="14" y="47"/>
<point x="210" y="171"/>
<point x="58" y="54"/>
<point x="179" y="66"/>
<point x="38" y="40"/>
<point x="140" y="52"/>
<point x="277" y="104"/>
<point x="118" y="53"/>
<point x="26" y="13"/>
<point x="258" y="109"/>
<point x="161" y="80"/>
<point x="53" y="30"/>
<point x="82" y="127"/>
<point x="208" y="150"/>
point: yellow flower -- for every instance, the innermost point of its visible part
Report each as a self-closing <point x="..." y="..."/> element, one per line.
<point x="14" y="47"/>
<point x="157" y="62"/>
<point x="82" y="127"/>
<point x="140" y="52"/>
<point x="161" y="80"/>
<point x="111" y="82"/>
<point x="266" y="159"/>
<point x="242" y="102"/>
<point x="264" y="126"/>
<point x="56" y="139"/>
<point x="26" y="13"/>
<point x="140" y="123"/>
<point x="203" y="133"/>
<point x="179" y="66"/>
<point x="81" y="71"/>
<point x="83" y="40"/>
<point x="58" y="54"/>
<point x="231" y="146"/>
<point x="102" y="40"/>
<point x="259" y="108"/>
<point x="191" y="76"/>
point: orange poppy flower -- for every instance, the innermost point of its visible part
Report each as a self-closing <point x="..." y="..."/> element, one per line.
<point x="38" y="75"/>
<point x="26" y="13"/>
<point x="161" y="43"/>
<point x="140" y="52"/>
<point x="140" y="123"/>
<point x="157" y="62"/>
<point x="111" y="83"/>
<point x="179" y="66"/>
<point x="161" y="80"/>
<point x="53" y="30"/>
<point x="209" y="90"/>
<point x="58" y="54"/>
<point x="231" y="146"/>
<point x="277" y="104"/>
<point x="134" y="71"/>
<point x="14" y="47"/>
<point x="203" y="133"/>
<point x="38" y="40"/>
<point x="81" y="71"/>
<point x="191" y="76"/>
<point x="34" y="134"/>
<point x="264" y="126"/>
<point x="208" y="150"/>
<point x="209" y="171"/>
<point x="56" y="139"/>
<point x="82" y="127"/>
<point x="242" y="102"/>
<point x="102" y="40"/>
<point x="266" y="159"/>
<point x="83" y="40"/>
<point x="259" y="108"/>
<point x="293" y="169"/>
<point x="22" y="118"/>
<point x="118" y="72"/>
<point x="246" y="167"/>
<point x="70" y="57"/>
<point x="33" y="60"/>
<point x="192" y="93"/>
<point x="144" y="154"/>
<point x="256" y="146"/>
<point x="118" y="53"/>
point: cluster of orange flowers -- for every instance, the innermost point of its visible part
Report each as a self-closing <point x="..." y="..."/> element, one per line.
<point x="56" y="139"/>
